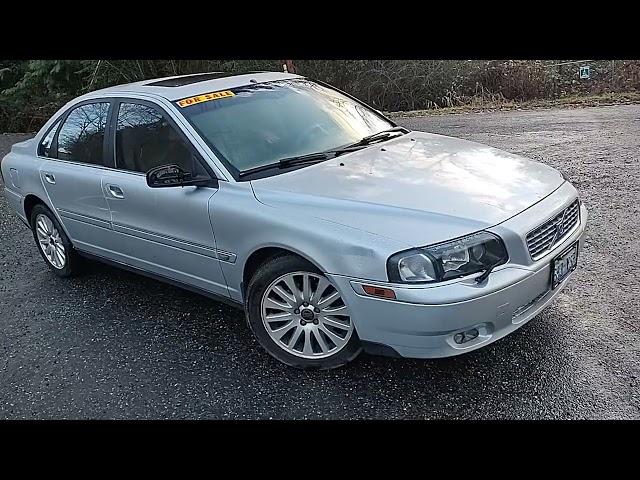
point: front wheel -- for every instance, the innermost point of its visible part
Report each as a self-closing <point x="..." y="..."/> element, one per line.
<point x="299" y="317"/>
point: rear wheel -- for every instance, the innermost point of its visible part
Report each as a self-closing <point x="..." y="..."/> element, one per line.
<point x="299" y="317"/>
<point x="53" y="244"/>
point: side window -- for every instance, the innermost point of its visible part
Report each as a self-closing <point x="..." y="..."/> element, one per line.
<point x="44" y="149"/>
<point x="145" y="139"/>
<point x="82" y="134"/>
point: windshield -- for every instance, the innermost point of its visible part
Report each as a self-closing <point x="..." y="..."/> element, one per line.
<point x="256" y="125"/>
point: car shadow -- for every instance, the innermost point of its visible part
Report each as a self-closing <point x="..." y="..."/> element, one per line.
<point x="210" y="340"/>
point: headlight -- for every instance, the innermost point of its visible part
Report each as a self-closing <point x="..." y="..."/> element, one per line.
<point x="444" y="261"/>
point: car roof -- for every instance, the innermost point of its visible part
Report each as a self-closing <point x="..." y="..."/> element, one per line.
<point x="183" y="86"/>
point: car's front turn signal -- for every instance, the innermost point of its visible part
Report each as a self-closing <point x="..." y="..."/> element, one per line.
<point x="381" y="292"/>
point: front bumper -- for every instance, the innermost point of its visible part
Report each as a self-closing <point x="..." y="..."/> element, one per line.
<point x="423" y="321"/>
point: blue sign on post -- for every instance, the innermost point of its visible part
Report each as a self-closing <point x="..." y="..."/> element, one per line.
<point x="585" y="72"/>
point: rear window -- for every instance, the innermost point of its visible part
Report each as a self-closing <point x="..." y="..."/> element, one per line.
<point x="81" y="137"/>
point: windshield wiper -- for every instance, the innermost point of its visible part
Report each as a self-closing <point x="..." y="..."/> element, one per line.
<point x="326" y="155"/>
<point x="302" y="159"/>
<point x="382" y="133"/>
<point x="289" y="162"/>
<point x="369" y="139"/>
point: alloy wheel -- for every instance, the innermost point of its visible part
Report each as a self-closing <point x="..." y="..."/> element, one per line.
<point x="306" y="316"/>
<point x="50" y="241"/>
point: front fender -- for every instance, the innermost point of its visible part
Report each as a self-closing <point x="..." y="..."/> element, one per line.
<point x="242" y="225"/>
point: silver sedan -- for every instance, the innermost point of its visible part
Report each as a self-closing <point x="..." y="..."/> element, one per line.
<point x="332" y="227"/>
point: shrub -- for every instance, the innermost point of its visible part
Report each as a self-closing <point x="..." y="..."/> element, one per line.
<point x="30" y="91"/>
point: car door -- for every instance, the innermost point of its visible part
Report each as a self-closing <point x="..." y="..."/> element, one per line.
<point x="165" y="231"/>
<point x="75" y="148"/>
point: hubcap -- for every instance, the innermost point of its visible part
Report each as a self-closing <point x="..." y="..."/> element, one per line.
<point x="306" y="316"/>
<point x="50" y="241"/>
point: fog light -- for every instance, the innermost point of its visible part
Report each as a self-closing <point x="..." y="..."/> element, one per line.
<point x="465" y="337"/>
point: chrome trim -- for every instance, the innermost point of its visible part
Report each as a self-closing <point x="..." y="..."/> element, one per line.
<point x="90" y="165"/>
<point x="524" y="308"/>
<point x="174" y="242"/>
<point x="79" y="217"/>
<point x="225" y="256"/>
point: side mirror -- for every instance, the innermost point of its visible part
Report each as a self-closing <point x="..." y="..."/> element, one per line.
<point x="167" y="176"/>
<point x="174" y="176"/>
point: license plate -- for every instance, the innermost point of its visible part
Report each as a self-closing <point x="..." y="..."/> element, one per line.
<point x="563" y="265"/>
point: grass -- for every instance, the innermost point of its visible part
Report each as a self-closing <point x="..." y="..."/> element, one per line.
<point x="573" y="101"/>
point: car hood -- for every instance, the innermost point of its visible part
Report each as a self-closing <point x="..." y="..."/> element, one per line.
<point x="418" y="189"/>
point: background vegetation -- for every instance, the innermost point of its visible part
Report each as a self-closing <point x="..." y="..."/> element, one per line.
<point x="31" y="90"/>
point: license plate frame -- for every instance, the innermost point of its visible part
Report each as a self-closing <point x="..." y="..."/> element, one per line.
<point x="561" y="259"/>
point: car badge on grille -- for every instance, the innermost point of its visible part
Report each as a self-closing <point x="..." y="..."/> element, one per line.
<point x="559" y="229"/>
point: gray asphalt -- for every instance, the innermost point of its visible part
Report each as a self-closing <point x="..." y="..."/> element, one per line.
<point x="111" y="344"/>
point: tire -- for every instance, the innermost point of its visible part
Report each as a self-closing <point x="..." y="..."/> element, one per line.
<point x="45" y="224"/>
<point x="320" y="344"/>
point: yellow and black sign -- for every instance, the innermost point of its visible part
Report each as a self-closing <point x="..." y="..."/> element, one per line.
<point x="205" y="97"/>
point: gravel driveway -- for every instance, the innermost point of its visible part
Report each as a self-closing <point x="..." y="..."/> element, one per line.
<point x="111" y="344"/>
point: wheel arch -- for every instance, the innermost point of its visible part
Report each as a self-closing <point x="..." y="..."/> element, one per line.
<point x="262" y="254"/>
<point x="31" y="201"/>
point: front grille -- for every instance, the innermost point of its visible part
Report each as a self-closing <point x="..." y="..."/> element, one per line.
<point x="542" y="239"/>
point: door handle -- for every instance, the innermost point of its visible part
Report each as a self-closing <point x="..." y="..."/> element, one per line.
<point x="49" y="178"/>
<point x="115" y="191"/>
